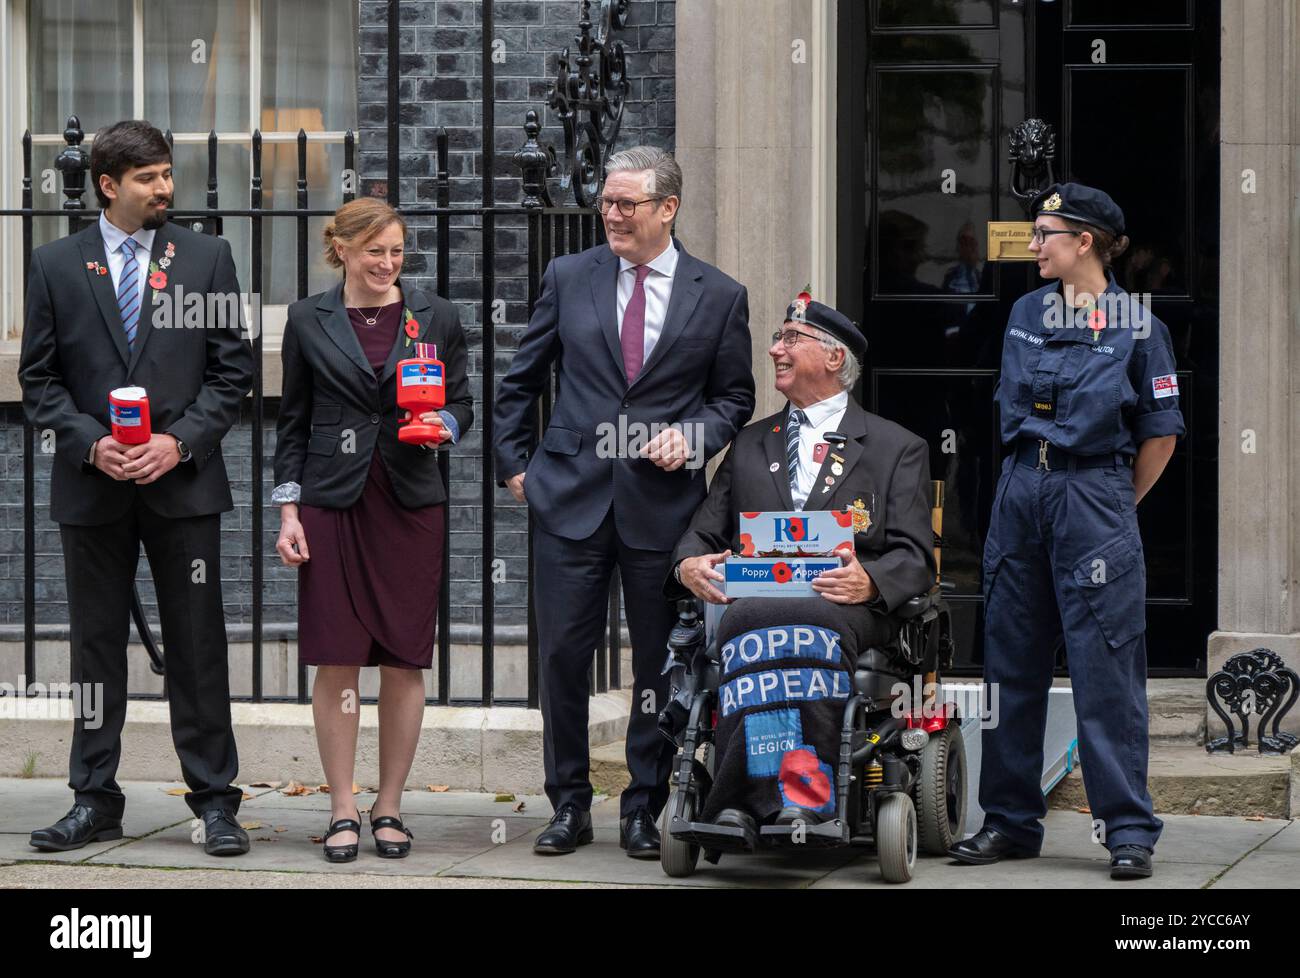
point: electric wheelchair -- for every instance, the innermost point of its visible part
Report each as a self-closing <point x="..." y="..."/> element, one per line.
<point x="900" y="777"/>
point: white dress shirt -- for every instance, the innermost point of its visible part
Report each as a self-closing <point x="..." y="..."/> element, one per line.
<point x="113" y="238"/>
<point x="819" y="418"/>
<point x="658" y="290"/>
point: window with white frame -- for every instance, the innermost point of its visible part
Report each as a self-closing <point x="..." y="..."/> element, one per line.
<point x="190" y="66"/>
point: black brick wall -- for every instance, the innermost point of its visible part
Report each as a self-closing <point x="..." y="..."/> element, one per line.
<point x="440" y="86"/>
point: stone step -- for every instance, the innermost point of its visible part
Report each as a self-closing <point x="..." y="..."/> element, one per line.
<point x="1185" y="780"/>
<point x="498" y="749"/>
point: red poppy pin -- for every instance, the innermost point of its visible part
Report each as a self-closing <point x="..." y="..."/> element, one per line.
<point x="1096" y="322"/>
<point x="412" y="326"/>
<point x="158" y="280"/>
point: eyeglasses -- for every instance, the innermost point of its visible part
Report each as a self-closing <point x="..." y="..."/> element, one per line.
<point x="625" y="207"/>
<point x="789" y="338"/>
<point x="1041" y="234"/>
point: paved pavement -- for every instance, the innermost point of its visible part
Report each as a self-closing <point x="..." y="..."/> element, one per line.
<point x="467" y="840"/>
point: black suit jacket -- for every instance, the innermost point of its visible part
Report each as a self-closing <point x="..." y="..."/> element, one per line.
<point x="196" y="369"/>
<point x="329" y="390"/>
<point x="698" y="373"/>
<point x="885" y="466"/>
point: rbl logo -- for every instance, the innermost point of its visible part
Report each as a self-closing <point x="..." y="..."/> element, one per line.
<point x="793" y="529"/>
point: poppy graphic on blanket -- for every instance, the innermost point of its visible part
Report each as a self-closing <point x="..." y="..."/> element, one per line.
<point x="768" y="736"/>
<point x="805" y="780"/>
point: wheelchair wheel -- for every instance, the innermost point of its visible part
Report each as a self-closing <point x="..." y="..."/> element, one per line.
<point x="940" y="792"/>
<point x="676" y="857"/>
<point x="896" y="837"/>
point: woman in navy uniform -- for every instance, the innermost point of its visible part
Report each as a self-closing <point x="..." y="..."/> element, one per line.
<point x="1088" y="400"/>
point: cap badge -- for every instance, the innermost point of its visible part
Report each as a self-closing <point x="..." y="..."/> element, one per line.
<point x="1053" y="203"/>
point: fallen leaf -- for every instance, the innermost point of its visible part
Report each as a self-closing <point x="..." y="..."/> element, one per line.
<point x="178" y="791"/>
<point x="294" y="789"/>
<point x="437" y="787"/>
<point x="518" y="808"/>
<point x="1085" y="810"/>
<point x="249" y="826"/>
<point x="325" y="789"/>
<point x="316" y="839"/>
<point x="264" y="838"/>
<point x="245" y="796"/>
<point x="1254" y="818"/>
<point x="281" y="828"/>
<point x="505" y="798"/>
<point x="266" y="784"/>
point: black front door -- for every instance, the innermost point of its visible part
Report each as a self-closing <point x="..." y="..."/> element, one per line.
<point x="929" y="93"/>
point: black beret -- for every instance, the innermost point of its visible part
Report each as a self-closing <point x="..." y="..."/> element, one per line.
<point x="813" y="313"/>
<point x="1080" y="203"/>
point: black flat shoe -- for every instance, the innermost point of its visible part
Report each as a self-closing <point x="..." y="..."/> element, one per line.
<point x="222" y="834"/>
<point x="793" y="813"/>
<point x="342" y="854"/>
<point x="80" y="826"/>
<point x="988" y="846"/>
<point x="734" y="818"/>
<point x="638" y="834"/>
<point x="570" y="827"/>
<point x="1130" y="862"/>
<point x="386" y="849"/>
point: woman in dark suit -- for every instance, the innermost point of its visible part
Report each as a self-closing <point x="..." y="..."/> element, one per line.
<point x="362" y="514"/>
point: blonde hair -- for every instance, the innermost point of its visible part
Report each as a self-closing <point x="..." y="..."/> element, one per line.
<point x="355" y="223"/>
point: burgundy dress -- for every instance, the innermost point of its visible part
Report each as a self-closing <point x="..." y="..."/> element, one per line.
<point x="361" y="601"/>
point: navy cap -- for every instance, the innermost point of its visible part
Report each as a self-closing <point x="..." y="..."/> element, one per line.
<point x="1080" y="203"/>
<point x="806" y="310"/>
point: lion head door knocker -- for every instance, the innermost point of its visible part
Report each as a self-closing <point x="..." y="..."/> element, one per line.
<point x="1033" y="149"/>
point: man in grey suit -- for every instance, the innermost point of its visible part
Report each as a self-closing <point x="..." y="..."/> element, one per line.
<point x="652" y="351"/>
<point x="106" y="309"/>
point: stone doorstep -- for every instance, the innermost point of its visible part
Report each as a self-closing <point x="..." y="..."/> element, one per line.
<point x="466" y="748"/>
<point x="1185" y="780"/>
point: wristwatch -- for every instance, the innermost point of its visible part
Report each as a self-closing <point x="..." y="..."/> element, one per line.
<point x="186" y="455"/>
<point x="677" y="570"/>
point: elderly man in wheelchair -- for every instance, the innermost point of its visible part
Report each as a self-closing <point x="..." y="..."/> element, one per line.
<point x="813" y="720"/>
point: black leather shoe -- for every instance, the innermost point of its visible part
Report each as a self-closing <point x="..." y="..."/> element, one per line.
<point x="734" y="818"/>
<point x="638" y="834"/>
<point x="222" y="835"/>
<point x="385" y="848"/>
<point x="81" y="825"/>
<point x="988" y="846"/>
<point x="1130" y="862"/>
<point x="570" y="827"/>
<point x="793" y="813"/>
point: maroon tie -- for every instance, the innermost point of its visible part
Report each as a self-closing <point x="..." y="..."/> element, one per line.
<point x="633" y="335"/>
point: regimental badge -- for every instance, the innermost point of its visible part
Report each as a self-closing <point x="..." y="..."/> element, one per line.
<point x="1053" y="203"/>
<point x="861" y="518"/>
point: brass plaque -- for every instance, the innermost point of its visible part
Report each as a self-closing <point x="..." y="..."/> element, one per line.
<point x="1009" y="240"/>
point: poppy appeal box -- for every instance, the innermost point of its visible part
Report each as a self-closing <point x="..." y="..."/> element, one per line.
<point x="783" y="553"/>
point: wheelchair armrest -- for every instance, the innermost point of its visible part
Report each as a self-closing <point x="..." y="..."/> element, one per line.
<point x="918" y="605"/>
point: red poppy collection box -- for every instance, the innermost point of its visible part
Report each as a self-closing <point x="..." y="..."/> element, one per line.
<point x="783" y="553"/>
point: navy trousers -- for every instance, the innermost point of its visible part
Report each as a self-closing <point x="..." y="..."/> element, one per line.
<point x="1063" y="557"/>
<point x="571" y="590"/>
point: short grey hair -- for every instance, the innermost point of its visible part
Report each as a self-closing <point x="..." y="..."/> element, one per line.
<point x="665" y="173"/>
<point x="849" y="370"/>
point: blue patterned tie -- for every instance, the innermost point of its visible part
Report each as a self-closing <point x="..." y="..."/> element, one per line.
<point x="128" y="292"/>
<point x="792" y="425"/>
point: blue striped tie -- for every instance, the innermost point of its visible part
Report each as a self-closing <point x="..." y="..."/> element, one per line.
<point x="128" y="292"/>
<point x="792" y="425"/>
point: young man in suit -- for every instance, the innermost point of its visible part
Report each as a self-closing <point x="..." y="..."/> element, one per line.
<point x="643" y="336"/>
<point x="105" y="309"/>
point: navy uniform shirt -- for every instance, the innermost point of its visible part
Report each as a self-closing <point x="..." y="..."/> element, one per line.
<point x="1087" y="393"/>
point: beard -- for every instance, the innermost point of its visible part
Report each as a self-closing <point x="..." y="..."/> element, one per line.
<point x="157" y="219"/>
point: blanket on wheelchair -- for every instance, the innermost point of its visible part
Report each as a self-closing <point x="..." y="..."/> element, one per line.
<point x="785" y="675"/>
